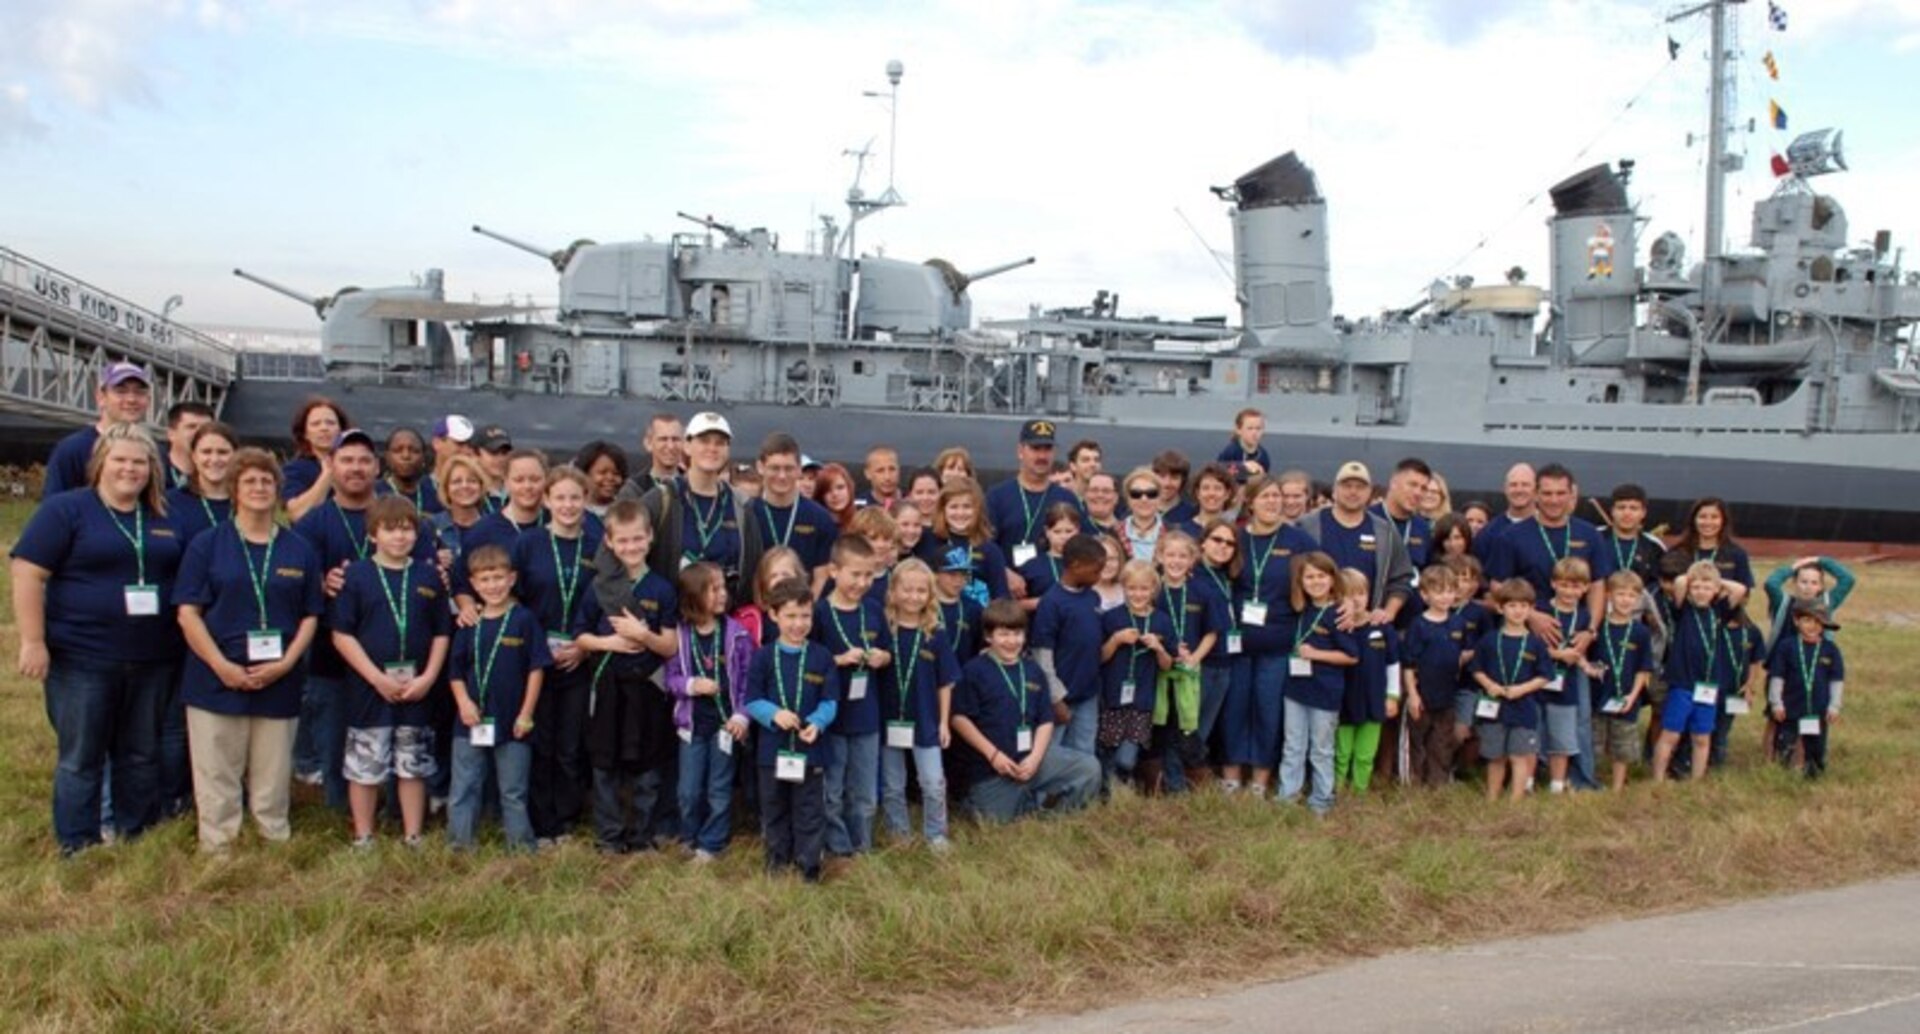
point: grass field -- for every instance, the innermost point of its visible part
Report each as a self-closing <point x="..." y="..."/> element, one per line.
<point x="1139" y="898"/>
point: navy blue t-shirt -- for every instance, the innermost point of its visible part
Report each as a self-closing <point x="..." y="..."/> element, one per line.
<point x="1355" y="547"/>
<point x="1266" y="576"/>
<point x="1416" y="531"/>
<point x="1509" y="661"/>
<point x="799" y="680"/>
<point x="219" y="576"/>
<point x="1068" y="623"/>
<point x="495" y="529"/>
<point x="90" y="550"/>
<point x="1018" y="516"/>
<point x="839" y="630"/>
<point x="67" y="464"/>
<point x="339" y="535"/>
<point x="1434" y="649"/>
<point x="366" y="609"/>
<point x="1732" y="561"/>
<point x="653" y="600"/>
<point x="922" y="663"/>
<point x="1191" y="611"/>
<point x="960" y="620"/>
<point x="1703" y="649"/>
<point x="1223" y="611"/>
<point x="1235" y="456"/>
<point x="1793" y="661"/>
<point x="556" y="578"/>
<point x="1041" y="573"/>
<point x="1623" y="651"/>
<point x="1324" y="689"/>
<point x="805" y="527"/>
<point x="190" y="514"/>
<point x="298" y="475"/>
<point x="1366" y="693"/>
<point x="424" y="496"/>
<point x="710" y="529"/>
<point x="509" y="649"/>
<point x="1572" y="623"/>
<point x="1136" y="663"/>
<point x="1477" y="620"/>
<point x="1529" y="549"/>
<point x="999" y="700"/>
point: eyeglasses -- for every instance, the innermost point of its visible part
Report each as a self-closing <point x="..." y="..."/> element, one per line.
<point x="1143" y="493"/>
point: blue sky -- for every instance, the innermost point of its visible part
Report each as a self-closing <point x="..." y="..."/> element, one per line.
<point x="152" y="146"/>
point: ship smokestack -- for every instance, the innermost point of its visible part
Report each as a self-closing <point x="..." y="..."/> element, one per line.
<point x="1280" y="255"/>
<point x="1594" y="283"/>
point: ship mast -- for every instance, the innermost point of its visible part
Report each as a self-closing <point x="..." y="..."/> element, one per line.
<point x="1718" y="161"/>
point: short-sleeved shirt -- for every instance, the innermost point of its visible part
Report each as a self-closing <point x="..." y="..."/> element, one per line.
<point x="1416" y="532"/>
<point x="1704" y="649"/>
<point x="67" y="464"/>
<point x="1572" y="623"/>
<point x="1041" y="573"/>
<point x="1137" y="663"/>
<point x="1529" y="549"/>
<point x="424" y="496"/>
<point x="495" y="529"/>
<point x="369" y="608"/>
<point x="1068" y="623"/>
<point x="863" y="627"/>
<point x="1807" y="673"/>
<point x="508" y="650"/>
<point x="1732" y="561"/>
<point x="89" y="549"/>
<point x="1368" y="681"/>
<point x="1434" y="648"/>
<point x="1326" y="686"/>
<point x="960" y="620"/>
<point x="1000" y="700"/>
<point x="805" y="527"/>
<point x="1623" y="650"/>
<point x="653" y="600"/>
<point x="230" y="580"/>
<point x="1190" y="611"/>
<point x="190" y="514"/>
<point x="910" y="686"/>
<point x="709" y="529"/>
<point x="1266" y="576"/>
<point x="1509" y="661"/>
<point x="797" y="680"/>
<point x="556" y="578"/>
<point x="339" y="535"/>
<point x="1018" y="517"/>
<point x="1235" y="456"/>
<point x="298" y="475"/>
<point x="1222" y="600"/>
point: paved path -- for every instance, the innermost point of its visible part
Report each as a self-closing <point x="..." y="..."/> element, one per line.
<point x="1823" y="963"/>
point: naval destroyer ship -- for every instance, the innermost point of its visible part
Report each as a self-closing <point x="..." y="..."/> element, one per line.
<point x="1781" y="376"/>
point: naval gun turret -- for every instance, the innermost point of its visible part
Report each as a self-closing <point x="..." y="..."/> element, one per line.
<point x="373" y="330"/>
<point x="608" y="285"/>
<point x="918" y="299"/>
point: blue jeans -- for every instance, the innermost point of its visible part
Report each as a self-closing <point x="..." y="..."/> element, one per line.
<point x="176" y="775"/>
<point x="852" y="793"/>
<point x="1083" y="728"/>
<point x="1067" y="781"/>
<point x="706" y="793"/>
<point x="1214" y="686"/>
<point x="1581" y="775"/>
<point x="511" y="760"/>
<point x="1309" y="739"/>
<point x="933" y="791"/>
<point x="323" y="728"/>
<point x="1253" y="714"/>
<point x="100" y="710"/>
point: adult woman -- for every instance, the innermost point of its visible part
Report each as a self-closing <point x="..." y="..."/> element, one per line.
<point x="464" y="484"/>
<point x="1452" y="536"/>
<point x="923" y="490"/>
<point x="1268" y="545"/>
<point x="1435" y="500"/>
<point x="605" y="465"/>
<point x="250" y="603"/>
<point x="833" y="489"/>
<point x="407" y="473"/>
<point x="959" y="519"/>
<point x="1141" y="530"/>
<point x="955" y="462"/>
<point x="203" y="501"/>
<point x="523" y="512"/>
<point x="1214" y="493"/>
<point x="1102" y="498"/>
<point x="1709" y="536"/>
<point x="307" y="480"/>
<point x="92" y="575"/>
<point x="1477" y="515"/>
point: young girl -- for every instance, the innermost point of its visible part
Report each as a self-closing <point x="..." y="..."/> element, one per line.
<point x="555" y="566"/>
<point x="1184" y="714"/>
<point x="1452" y="537"/>
<point x="707" y="680"/>
<point x="916" y="703"/>
<point x="833" y="489"/>
<point x="1227" y="672"/>
<point x="909" y="526"/>
<point x="204" y="502"/>
<point x="959" y="520"/>
<point x="1316" y="681"/>
<point x="526" y="484"/>
<point x="776" y="565"/>
<point x="1112" y="594"/>
<point x="1062" y="522"/>
<point x="1134" y="651"/>
<point x="1372" y="692"/>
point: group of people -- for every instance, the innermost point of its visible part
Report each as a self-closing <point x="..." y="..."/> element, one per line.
<point x="444" y="620"/>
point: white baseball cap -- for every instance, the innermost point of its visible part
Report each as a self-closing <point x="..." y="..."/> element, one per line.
<point x="702" y="423"/>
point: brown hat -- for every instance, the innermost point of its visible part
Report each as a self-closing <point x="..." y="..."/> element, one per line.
<point x="1816" y="610"/>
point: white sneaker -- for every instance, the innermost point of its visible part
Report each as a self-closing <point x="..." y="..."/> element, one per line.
<point x="704" y="857"/>
<point x="940" y="845"/>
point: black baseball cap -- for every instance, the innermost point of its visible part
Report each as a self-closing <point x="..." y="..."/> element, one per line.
<point x="492" y="438"/>
<point x="1037" y="432"/>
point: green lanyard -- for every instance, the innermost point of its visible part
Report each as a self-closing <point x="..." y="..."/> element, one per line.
<point x="1511" y="671"/>
<point x="1226" y="593"/>
<point x="1710" y="640"/>
<point x="258" y="576"/>
<point x="1134" y="652"/>
<point x="1809" y="667"/>
<point x="484" y="668"/>
<point x="417" y="498"/>
<point x="1625" y="563"/>
<point x="207" y="507"/>
<point x="959" y="622"/>
<point x="395" y="605"/>
<point x="1177" y="612"/>
<point x="766" y="513"/>
<point x="1261" y="566"/>
<point x="1556" y="555"/>
<point x="1019" y="694"/>
<point x="358" y="541"/>
<point x="1026" y="507"/>
<point x="913" y="660"/>
<point x="790" y="702"/>
<point x="569" y="580"/>
<point x="1569" y="622"/>
<point x="1616" y="654"/>
<point x="137" y="538"/>
<point x="1306" y="627"/>
<point x="842" y="629"/>
<point x="708" y="667"/>
<point x="708" y="524"/>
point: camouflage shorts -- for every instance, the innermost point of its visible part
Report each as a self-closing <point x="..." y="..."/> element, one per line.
<point x="374" y="755"/>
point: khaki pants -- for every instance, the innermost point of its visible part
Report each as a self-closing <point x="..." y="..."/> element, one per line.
<point x="227" y="748"/>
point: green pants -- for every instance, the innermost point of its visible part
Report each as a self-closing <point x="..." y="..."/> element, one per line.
<point x="1354" y="747"/>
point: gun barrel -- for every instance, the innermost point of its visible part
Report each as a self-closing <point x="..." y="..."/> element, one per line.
<point x="999" y="269"/>
<point x="277" y="288"/>
<point x="729" y="232"/>
<point x="512" y="242"/>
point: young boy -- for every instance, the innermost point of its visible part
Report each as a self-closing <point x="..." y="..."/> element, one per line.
<point x="1510" y="665"/>
<point x="1435" y="651"/>
<point x="1002" y="716"/>
<point x="1620" y="669"/>
<point x="1475" y="622"/>
<point x="852" y="627"/>
<point x="631" y="616"/>
<point x="1807" y="678"/>
<point x="959" y="613"/>
<point x="1184" y="712"/>
<point x="1700" y="669"/>
<point x="1244" y="455"/>
<point x="793" y="693"/>
<point x="1561" y="702"/>
<point x="1372" y="697"/>
<point x="1137" y="645"/>
<point x="497" y="669"/>
<point x="1066" y="641"/>
<point x="392" y="627"/>
<point x="1747" y="663"/>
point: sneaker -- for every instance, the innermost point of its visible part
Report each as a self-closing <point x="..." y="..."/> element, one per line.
<point x="940" y="845"/>
<point x="703" y="856"/>
<point x="363" y="844"/>
<point x="311" y="777"/>
<point x="436" y="805"/>
<point x="1229" y="787"/>
<point x="414" y="842"/>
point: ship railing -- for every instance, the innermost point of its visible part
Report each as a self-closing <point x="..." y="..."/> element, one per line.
<point x="67" y="305"/>
<point x="281" y="366"/>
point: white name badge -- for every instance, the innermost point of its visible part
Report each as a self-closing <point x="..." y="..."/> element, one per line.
<point x="1024" y="553"/>
<point x="1614" y="705"/>
<point x="400" y="671"/>
<point x="1393" y="681"/>
<point x="1023" y="739"/>
<point x="900" y="735"/>
<point x="1810" y="726"/>
<point x="1738" y="705"/>
<point x="557" y="642"/>
<point x="857" y="686"/>
<point x="1254" y="613"/>
<point x="1706" y="693"/>
<point x="688" y="560"/>
<point x="1487" y="709"/>
<point x="1416" y="578"/>
<point x="1298" y="665"/>
<point x="264" y="645"/>
<point x="1556" y="684"/>
<point x="686" y="735"/>
<point x="723" y="741"/>
<point x="480" y="733"/>
<point x="1127" y="691"/>
<point x="790" y="767"/>
<point x="1233" y="644"/>
<point x="143" y="601"/>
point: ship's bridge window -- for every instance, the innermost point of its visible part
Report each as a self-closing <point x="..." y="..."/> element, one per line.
<point x="860" y="367"/>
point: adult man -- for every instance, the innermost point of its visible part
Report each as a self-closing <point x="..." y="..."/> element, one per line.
<point x="883" y="478"/>
<point x="665" y="444"/>
<point x="1015" y="508"/>
<point x="1296" y="495"/>
<point x="1520" y="489"/>
<point x="697" y="516"/>
<point x="1528" y="548"/>
<point x="1365" y="542"/>
<point x="184" y="420"/>
<point x="1083" y="462"/>
<point x="1401" y="505"/>
<point x="787" y="518"/>
<point x="122" y="397"/>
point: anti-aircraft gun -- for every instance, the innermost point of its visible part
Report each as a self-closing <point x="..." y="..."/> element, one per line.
<point x="608" y="285"/>
<point x="384" y="328"/>
<point x="918" y="299"/>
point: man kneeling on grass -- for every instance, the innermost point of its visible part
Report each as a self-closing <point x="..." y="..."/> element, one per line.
<point x="1003" y="713"/>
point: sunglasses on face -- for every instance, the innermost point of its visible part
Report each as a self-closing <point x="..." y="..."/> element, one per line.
<point x="1143" y="493"/>
<point x="1218" y="541"/>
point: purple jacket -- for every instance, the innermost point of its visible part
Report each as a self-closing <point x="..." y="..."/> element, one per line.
<point x="738" y="654"/>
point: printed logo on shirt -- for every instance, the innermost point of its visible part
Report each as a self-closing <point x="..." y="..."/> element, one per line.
<point x="427" y="592"/>
<point x="649" y="604"/>
<point x="161" y="532"/>
<point x="513" y="640"/>
<point x="289" y="572"/>
<point x="926" y="655"/>
<point x="1573" y="544"/>
<point x="816" y="679"/>
<point x="803" y="529"/>
<point x="1455" y="636"/>
<point x="1376" y="641"/>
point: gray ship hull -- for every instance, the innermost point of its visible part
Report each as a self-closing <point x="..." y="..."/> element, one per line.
<point x="1835" y="497"/>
